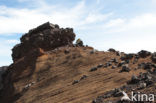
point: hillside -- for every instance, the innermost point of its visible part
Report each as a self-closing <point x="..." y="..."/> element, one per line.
<point x="68" y="73"/>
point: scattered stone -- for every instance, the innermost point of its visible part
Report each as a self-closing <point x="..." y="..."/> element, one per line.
<point x="112" y="50"/>
<point x="154" y="71"/>
<point x="153" y="57"/>
<point x="92" y="51"/>
<point x="75" y="82"/>
<point x="66" y="51"/>
<point x="125" y="68"/>
<point x="117" y="93"/>
<point x="108" y="64"/>
<point x="100" y="65"/>
<point x="79" y="42"/>
<point x="121" y="64"/>
<point x="83" y="77"/>
<point x="144" y="53"/>
<point x="142" y="85"/>
<point x="113" y="67"/>
<point x="134" y="79"/>
<point x="118" y="53"/>
<point x="114" y="60"/>
<point x="146" y="66"/>
<point x="135" y="61"/>
<point x="93" y="69"/>
<point x="127" y="57"/>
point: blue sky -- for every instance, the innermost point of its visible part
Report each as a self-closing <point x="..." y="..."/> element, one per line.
<point x="126" y="25"/>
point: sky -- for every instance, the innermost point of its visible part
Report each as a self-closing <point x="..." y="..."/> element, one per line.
<point x="125" y="25"/>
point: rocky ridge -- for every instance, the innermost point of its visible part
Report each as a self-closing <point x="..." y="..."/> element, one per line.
<point x="49" y="68"/>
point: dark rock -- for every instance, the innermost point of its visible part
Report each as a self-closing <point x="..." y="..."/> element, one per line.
<point x="154" y="70"/>
<point x="100" y="65"/>
<point x="125" y="68"/>
<point x="142" y="85"/>
<point x="153" y="57"/>
<point x="117" y="93"/>
<point x="108" y="64"/>
<point x="118" y="53"/>
<point x="92" y="51"/>
<point x="46" y="36"/>
<point x="3" y="71"/>
<point x="66" y="51"/>
<point x="134" y="79"/>
<point x="113" y="67"/>
<point x="94" y="101"/>
<point x="135" y="61"/>
<point x="112" y="50"/>
<point x="114" y="60"/>
<point x="83" y="77"/>
<point x="146" y="66"/>
<point x="127" y="57"/>
<point x="144" y="53"/>
<point x="121" y="64"/>
<point x="93" y="69"/>
<point x="75" y="82"/>
<point x="79" y="42"/>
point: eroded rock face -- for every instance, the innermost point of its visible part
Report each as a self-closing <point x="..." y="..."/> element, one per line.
<point x="2" y="73"/>
<point x="46" y="36"/>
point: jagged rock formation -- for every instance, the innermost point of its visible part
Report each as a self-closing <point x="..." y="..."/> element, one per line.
<point x="46" y="36"/>
<point x="2" y="74"/>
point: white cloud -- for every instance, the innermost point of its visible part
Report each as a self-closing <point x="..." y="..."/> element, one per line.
<point x="12" y="41"/>
<point x="130" y="34"/>
<point x="21" y="20"/>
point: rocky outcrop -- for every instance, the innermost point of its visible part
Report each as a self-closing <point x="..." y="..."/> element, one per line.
<point x="46" y="36"/>
<point x="2" y="73"/>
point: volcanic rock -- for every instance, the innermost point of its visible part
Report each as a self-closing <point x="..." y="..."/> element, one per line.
<point x="79" y="42"/>
<point x="144" y="53"/>
<point x="112" y="50"/>
<point x="125" y="68"/>
<point x="153" y="57"/>
<point x="83" y="77"/>
<point x="75" y="82"/>
<point x="127" y="56"/>
<point x="93" y="69"/>
<point x="46" y="36"/>
<point x="2" y="73"/>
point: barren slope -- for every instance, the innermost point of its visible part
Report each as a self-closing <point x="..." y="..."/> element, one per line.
<point x="52" y="74"/>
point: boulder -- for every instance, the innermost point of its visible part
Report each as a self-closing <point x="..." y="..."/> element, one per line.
<point x="121" y="63"/>
<point x="83" y="77"/>
<point x="75" y="82"/>
<point x="46" y="36"/>
<point x="127" y="56"/>
<point x="79" y="42"/>
<point x="100" y="65"/>
<point x="144" y="53"/>
<point x="93" y="69"/>
<point x="112" y="50"/>
<point x="153" y="57"/>
<point x="125" y="68"/>
<point x="134" y="79"/>
<point x="113" y="67"/>
<point x="117" y="93"/>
